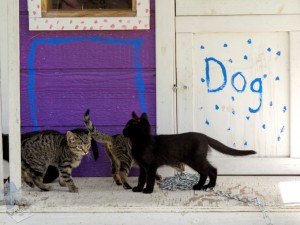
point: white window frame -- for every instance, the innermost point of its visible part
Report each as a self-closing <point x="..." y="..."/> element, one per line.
<point x="139" y="22"/>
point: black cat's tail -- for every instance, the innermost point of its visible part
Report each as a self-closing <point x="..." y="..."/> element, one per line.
<point x="227" y="150"/>
<point x="97" y="135"/>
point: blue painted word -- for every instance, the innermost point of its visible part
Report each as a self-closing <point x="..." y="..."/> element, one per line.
<point x="255" y="85"/>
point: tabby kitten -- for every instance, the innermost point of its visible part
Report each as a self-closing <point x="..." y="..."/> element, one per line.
<point x="118" y="149"/>
<point x="45" y="148"/>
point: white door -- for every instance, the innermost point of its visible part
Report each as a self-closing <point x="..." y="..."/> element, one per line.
<point x="236" y="72"/>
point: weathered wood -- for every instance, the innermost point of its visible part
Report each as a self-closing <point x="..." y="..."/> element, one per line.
<point x="236" y="7"/>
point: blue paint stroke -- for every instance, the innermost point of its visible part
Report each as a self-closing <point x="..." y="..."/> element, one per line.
<point x="245" y="143"/>
<point x="233" y="79"/>
<point x="207" y="122"/>
<point x="232" y="98"/>
<point x="282" y="129"/>
<point x="277" y="78"/>
<point x="202" y="47"/>
<point x="230" y="60"/>
<point x="271" y="103"/>
<point x="265" y="76"/>
<point x="248" y="117"/>
<point x="245" y="57"/>
<point x="207" y="61"/>
<point x="228" y="129"/>
<point x="259" y="91"/>
<point x="249" y="41"/>
<point x="278" y="53"/>
<point x="284" y="109"/>
<point x="269" y="49"/>
<point x="225" y="45"/>
<point x="135" y="43"/>
<point x="217" y="107"/>
<point x="264" y="126"/>
<point x="278" y="138"/>
<point x="202" y="80"/>
<point x="233" y="112"/>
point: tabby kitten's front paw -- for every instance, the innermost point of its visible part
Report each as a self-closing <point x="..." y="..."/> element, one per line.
<point x="74" y="189"/>
<point x="147" y="190"/>
<point x="126" y="186"/>
<point x="62" y="183"/>
<point x="137" y="189"/>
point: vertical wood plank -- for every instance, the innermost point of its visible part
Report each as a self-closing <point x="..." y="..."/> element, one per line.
<point x="14" y="92"/>
<point x="3" y="70"/>
<point x="294" y="93"/>
<point x="185" y="82"/>
<point x="165" y="66"/>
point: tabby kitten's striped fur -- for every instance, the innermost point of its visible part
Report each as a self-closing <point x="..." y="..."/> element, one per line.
<point x="63" y="151"/>
<point x="118" y="149"/>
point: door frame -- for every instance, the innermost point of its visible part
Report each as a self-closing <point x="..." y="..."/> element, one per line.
<point x="167" y="24"/>
<point x="10" y="86"/>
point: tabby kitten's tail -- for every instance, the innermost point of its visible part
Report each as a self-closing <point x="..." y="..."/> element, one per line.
<point x="97" y="135"/>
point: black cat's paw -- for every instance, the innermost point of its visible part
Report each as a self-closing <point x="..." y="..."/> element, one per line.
<point x="147" y="191"/>
<point x="137" y="189"/>
<point x="197" y="187"/>
<point x="126" y="186"/>
<point x="207" y="187"/>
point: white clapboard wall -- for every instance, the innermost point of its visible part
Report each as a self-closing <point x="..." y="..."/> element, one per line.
<point x="10" y="88"/>
<point x="234" y="70"/>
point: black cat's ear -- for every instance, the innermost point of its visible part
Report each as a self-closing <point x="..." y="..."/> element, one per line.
<point x="144" y="116"/>
<point x="134" y="116"/>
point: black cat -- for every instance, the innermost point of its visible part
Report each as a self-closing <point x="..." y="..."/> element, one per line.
<point x="153" y="151"/>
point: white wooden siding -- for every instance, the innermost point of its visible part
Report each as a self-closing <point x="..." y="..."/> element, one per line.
<point x="10" y="79"/>
<point x="273" y="28"/>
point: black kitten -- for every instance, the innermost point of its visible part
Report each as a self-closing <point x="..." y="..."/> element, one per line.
<point x="153" y="151"/>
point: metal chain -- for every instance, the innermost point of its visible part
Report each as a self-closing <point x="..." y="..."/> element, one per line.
<point x="185" y="181"/>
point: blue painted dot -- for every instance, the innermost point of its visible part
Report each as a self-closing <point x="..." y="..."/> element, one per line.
<point x="264" y="126"/>
<point x="249" y="41"/>
<point x="248" y="117"/>
<point x="229" y="129"/>
<point x="277" y="78"/>
<point x="269" y="49"/>
<point x="225" y="45"/>
<point x="202" y="80"/>
<point x="202" y="47"/>
<point x="233" y="112"/>
<point x="282" y="129"/>
<point x="245" y="143"/>
<point x="265" y="76"/>
<point x="284" y="109"/>
<point x="278" y="138"/>
<point x="217" y="107"/>
<point x="245" y="57"/>
<point x="278" y="53"/>
<point x="230" y="60"/>
<point x="207" y="122"/>
<point x="232" y="98"/>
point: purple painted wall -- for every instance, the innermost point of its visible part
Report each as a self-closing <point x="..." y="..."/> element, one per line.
<point x="64" y="73"/>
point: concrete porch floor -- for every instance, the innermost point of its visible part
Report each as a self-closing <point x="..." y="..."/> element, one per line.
<point x="100" y="201"/>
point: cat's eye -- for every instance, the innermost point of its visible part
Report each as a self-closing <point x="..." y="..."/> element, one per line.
<point x="88" y="14"/>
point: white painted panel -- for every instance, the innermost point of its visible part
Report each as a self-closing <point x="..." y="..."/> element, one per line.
<point x="236" y="7"/>
<point x="241" y="88"/>
<point x="294" y="93"/>
<point x="246" y="23"/>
